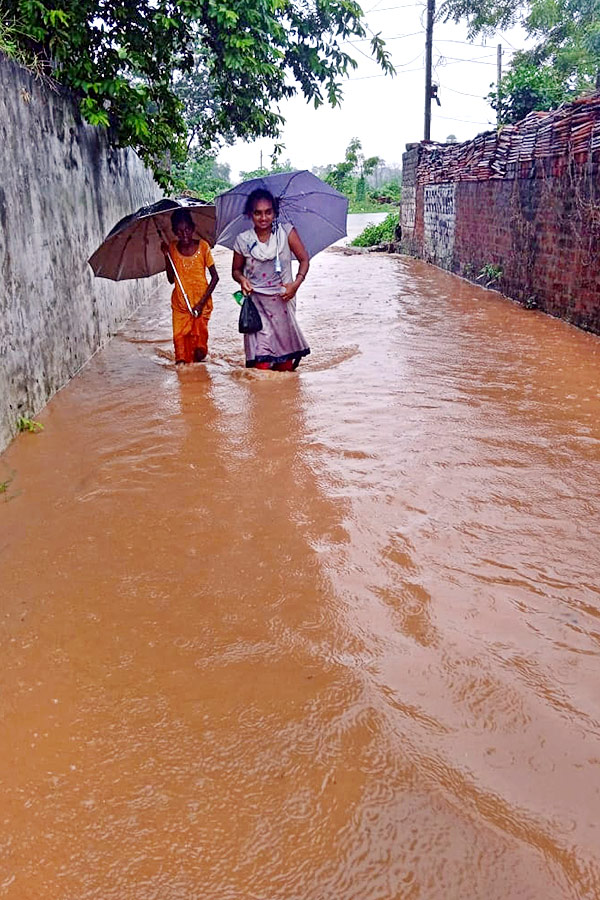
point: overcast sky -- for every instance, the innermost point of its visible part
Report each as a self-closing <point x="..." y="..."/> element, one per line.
<point x="386" y="113"/>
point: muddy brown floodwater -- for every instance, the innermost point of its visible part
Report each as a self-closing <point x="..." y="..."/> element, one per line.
<point x="324" y="636"/>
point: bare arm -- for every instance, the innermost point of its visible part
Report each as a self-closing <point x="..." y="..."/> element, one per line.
<point x="169" y="268"/>
<point x="214" y="280"/>
<point x="237" y="272"/>
<point x="299" y="251"/>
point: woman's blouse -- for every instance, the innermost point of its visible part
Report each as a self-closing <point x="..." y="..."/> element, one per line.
<point x="260" y="258"/>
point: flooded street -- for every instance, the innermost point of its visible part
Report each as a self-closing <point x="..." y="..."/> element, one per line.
<point x="331" y="635"/>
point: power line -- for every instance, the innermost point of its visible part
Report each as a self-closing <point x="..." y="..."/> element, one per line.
<point x="396" y="65"/>
<point x="362" y="52"/>
<point x="397" y="37"/>
<point x="462" y="93"/>
<point x="466" y="43"/>
<point x="457" y="59"/>
<point x="465" y="121"/>
<point x="373" y="7"/>
<point x="383" y="75"/>
<point x="390" y="8"/>
<point x="509" y="43"/>
<point x="400" y="65"/>
<point x="453" y="61"/>
<point x="441" y="62"/>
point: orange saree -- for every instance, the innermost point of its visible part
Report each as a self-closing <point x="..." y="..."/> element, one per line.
<point x="190" y="334"/>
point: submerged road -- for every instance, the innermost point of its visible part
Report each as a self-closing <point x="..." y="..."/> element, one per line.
<point x="332" y="635"/>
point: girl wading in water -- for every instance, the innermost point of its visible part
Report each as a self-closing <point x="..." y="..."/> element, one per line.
<point x="262" y="265"/>
<point x="192" y="258"/>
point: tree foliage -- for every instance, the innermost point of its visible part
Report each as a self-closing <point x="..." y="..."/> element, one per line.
<point x="355" y="173"/>
<point x="527" y="87"/>
<point x="390" y="191"/>
<point x="564" y="61"/>
<point x="349" y="175"/>
<point x="149" y="68"/>
<point x="203" y="176"/>
<point x="284" y="166"/>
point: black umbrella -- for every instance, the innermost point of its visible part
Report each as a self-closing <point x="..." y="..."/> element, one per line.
<point x="132" y="248"/>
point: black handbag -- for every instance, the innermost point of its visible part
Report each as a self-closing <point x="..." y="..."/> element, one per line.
<point x="250" y="320"/>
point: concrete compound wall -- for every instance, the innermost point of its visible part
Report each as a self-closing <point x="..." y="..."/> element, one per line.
<point x="62" y="188"/>
<point x="537" y="218"/>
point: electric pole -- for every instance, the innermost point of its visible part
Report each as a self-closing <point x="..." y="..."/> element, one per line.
<point x="498" y="89"/>
<point x="428" y="62"/>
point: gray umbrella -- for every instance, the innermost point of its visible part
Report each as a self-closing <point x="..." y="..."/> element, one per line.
<point x="132" y="248"/>
<point x="316" y="210"/>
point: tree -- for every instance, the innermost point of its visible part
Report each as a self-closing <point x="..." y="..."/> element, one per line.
<point x="284" y="166"/>
<point x="527" y="87"/>
<point x="565" y="60"/>
<point x="349" y="176"/>
<point x="203" y="176"/>
<point x="199" y="104"/>
<point x="139" y="66"/>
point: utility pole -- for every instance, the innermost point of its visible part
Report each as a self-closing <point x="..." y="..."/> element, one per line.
<point x="498" y="90"/>
<point x="428" y="61"/>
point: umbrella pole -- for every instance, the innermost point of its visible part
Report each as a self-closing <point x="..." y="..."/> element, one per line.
<point x="277" y="260"/>
<point x="181" y="288"/>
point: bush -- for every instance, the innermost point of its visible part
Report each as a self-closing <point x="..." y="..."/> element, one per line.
<point x="382" y="233"/>
<point x="388" y="192"/>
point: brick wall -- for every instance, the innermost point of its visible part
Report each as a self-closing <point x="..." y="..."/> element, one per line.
<point x="525" y="200"/>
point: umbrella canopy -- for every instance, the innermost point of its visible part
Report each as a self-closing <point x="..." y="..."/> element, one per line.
<point x="132" y="248"/>
<point x="316" y="210"/>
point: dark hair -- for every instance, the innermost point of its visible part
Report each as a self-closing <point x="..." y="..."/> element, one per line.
<point x="261" y="194"/>
<point x="181" y="216"/>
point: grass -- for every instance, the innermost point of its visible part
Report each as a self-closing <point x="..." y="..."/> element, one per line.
<point x="25" y="424"/>
<point x="490" y="273"/>
<point x="368" y="206"/>
<point x="12" y="38"/>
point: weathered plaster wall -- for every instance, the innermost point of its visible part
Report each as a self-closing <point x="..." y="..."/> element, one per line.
<point x="526" y="201"/>
<point x="62" y="188"/>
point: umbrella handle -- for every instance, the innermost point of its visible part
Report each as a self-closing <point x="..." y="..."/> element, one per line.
<point x="181" y="288"/>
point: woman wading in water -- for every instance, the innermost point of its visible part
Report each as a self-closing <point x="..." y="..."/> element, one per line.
<point x="262" y="265"/>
